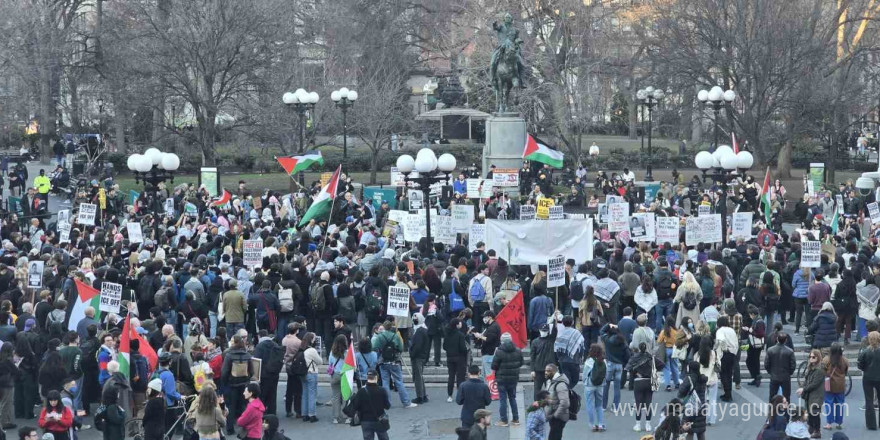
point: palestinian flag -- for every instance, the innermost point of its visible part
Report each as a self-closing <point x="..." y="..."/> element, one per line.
<point x="223" y="199"/>
<point x="86" y="296"/>
<point x="348" y="370"/>
<point x="835" y="221"/>
<point x="323" y="203"/>
<point x="734" y="143"/>
<point x="538" y="152"/>
<point x="765" y="196"/>
<point x="295" y="164"/>
<point x="124" y="358"/>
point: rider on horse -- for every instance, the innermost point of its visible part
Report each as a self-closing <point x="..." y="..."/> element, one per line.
<point x="508" y="39"/>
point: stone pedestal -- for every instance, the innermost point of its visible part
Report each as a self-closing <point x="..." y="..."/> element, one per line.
<point x="505" y="140"/>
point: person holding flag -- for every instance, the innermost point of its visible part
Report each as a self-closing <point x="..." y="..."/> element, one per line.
<point x="322" y="205"/>
<point x="137" y="360"/>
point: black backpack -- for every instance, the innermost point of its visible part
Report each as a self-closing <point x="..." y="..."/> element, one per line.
<point x="299" y="367"/>
<point x="390" y="353"/>
<point x="101" y="418"/>
<point x="576" y="290"/>
<point x="664" y="283"/>
<point x="276" y="359"/>
<point x="574" y="402"/>
<point x="690" y="301"/>
<point x="359" y="300"/>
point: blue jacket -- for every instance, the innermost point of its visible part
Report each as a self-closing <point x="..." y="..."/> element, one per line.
<point x="459" y="187"/>
<point x="169" y="387"/>
<point x="799" y="285"/>
<point x="540" y="307"/>
<point x="536" y="425"/>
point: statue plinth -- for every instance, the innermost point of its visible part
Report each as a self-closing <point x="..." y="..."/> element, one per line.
<point x="505" y="141"/>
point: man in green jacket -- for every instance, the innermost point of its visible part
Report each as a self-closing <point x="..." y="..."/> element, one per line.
<point x="388" y="344"/>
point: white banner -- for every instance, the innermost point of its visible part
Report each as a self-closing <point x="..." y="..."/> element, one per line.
<point x="527" y="212"/>
<point x="479" y="188"/>
<point x="111" y="297"/>
<point x="668" y="230"/>
<point x="398" y="301"/>
<point x="742" y="225"/>
<point x="531" y="241"/>
<point x="253" y="253"/>
<point x="135" y="234"/>
<point x="642" y="227"/>
<point x="618" y="217"/>
<point x="462" y="217"/>
<point x="811" y="253"/>
<point x="476" y="235"/>
<point x="705" y="229"/>
<point x="556" y="271"/>
<point x="86" y="215"/>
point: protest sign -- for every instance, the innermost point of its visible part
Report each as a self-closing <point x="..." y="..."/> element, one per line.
<point x="577" y="216"/>
<point x="839" y="199"/>
<point x="412" y="227"/>
<point x="705" y="229"/>
<point x="742" y="225"/>
<point x="811" y="253"/>
<point x="704" y="210"/>
<point x="253" y="253"/>
<point x="668" y="230"/>
<point x="86" y="215"/>
<point x="527" y="212"/>
<point x="64" y="216"/>
<point x="64" y="233"/>
<point x="556" y="271"/>
<point x="618" y="217"/>
<point x="506" y="177"/>
<point x="398" y="301"/>
<point x="609" y="199"/>
<point x="531" y="241"/>
<point x="462" y="217"/>
<point x="874" y="212"/>
<point x="445" y="232"/>
<point x="555" y="213"/>
<point x="111" y="297"/>
<point x="602" y="213"/>
<point x="543" y="209"/>
<point x="641" y="227"/>
<point x="476" y="235"/>
<point x="35" y="274"/>
<point x="479" y="188"/>
<point x="397" y="215"/>
<point x="135" y="234"/>
<point x="416" y="198"/>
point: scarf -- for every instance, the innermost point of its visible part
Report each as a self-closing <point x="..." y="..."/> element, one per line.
<point x="570" y="342"/>
<point x="211" y="354"/>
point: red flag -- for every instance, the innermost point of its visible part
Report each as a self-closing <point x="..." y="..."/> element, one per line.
<point x="224" y="199"/>
<point x="128" y="334"/>
<point x="512" y="319"/>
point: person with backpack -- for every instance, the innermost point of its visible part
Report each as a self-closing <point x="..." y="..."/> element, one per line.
<point x="323" y="304"/>
<point x="434" y="327"/>
<point x="688" y="298"/>
<point x="480" y="294"/>
<point x="540" y="308"/>
<point x="456" y="347"/>
<point x="594" y="377"/>
<point x="755" y="336"/>
<point x="305" y="365"/>
<point x="234" y="309"/>
<point x="169" y="390"/>
<point x="293" y="393"/>
<point x="770" y="294"/>
<point x="643" y="367"/>
<point x="335" y="362"/>
<point x="664" y="285"/>
<point x="288" y="293"/>
<point x="272" y="355"/>
<point x="560" y="409"/>
<point x="346" y="308"/>
<point x="139" y="377"/>
<point x="370" y="405"/>
<point x="420" y="348"/>
<point x="389" y="345"/>
<point x="266" y="307"/>
<point x="235" y="375"/>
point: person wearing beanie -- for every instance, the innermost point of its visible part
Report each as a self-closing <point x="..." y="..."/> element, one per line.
<point x="506" y="363"/>
<point x="154" y="412"/>
<point x="418" y="353"/>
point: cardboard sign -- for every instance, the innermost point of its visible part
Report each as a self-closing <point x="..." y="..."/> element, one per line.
<point x="527" y="212"/>
<point x="618" y="217"/>
<point x="555" y="213"/>
<point x="86" y="215"/>
<point x="462" y="217"/>
<point x="252" y="251"/>
<point x="398" y="301"/>
<point x="874" y="212"/>
<point x="641" y="227"/>
<point x="111" y="297"/>
<point x="742" y="225"/>
<point x="556" y="271"/>
<point x="705" y="229"/>
<point x="505" y="177"/>
<point x="811" y="253"/>
<point x="476" y="235"/>
<point x="135" y="234"/>
<point x="668" y="230"/>
<point x="35" y="273"/>
<point x="479" y="188"/>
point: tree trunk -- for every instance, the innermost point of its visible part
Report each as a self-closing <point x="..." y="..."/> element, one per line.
<point x="687" y="114"/>
<point x="208" y="132"/>
<point x="633" y="117"/>
<point x="697" y="124"/>
<point x="783" y="161"/>
<point x="374" y="163"/>
<point x="75" y="111"/>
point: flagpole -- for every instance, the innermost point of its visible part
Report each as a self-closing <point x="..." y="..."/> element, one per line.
<point x="327" y="231"/>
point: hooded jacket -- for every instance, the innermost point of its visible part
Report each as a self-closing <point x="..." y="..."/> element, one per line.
<point x="252" y="419"/>
<point x="506" y="363"/>
<point x="824" y="329"/>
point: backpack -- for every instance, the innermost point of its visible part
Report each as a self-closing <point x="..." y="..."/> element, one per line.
<point x="101" y="418"/>
<point x="348" y="310"/>
<point x="690" y="301"/>
<point x="664" y="283"/>
<point x="477" y="293"/>
<point x="319" y="304"/>
<point x="456" y="303"/>
<point x="285" y="298"/>
<point x="299" y="367"/>
<point x="373" y="303"/>
<point x="576" y="290"/>
<point x="359" y="298"/>
<point x="574" y="402"/>
<point x="390" y="353"/>
<point x="276" y="359"/>
<point x="240" y="370"/>
<point x="161" y="299"/>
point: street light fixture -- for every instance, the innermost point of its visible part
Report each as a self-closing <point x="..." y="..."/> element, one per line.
<point x="431" y="169"/>
<point x="301" y="101"/>
<point x="152" y="168"/>
<point x="717" y="97"/>
<point x="344" y="99"/>
<point x="723" y="166"/>
<point x="649" y="97"/>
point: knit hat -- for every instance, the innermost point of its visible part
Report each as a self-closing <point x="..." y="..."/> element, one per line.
<point x="29" y="324"/>
<point x="155" y="385"/>
<point x="839" y="436"/>
<point x="730" y="307"/>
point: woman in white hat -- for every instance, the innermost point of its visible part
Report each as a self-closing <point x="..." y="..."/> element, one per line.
<point x="154" y="412"/>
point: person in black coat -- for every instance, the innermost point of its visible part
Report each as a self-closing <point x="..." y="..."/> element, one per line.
<point x="369" y="404"/>
<point x="506" y="362"/>
<point x="824" y="327"/>
<point x="456" y="348"/>
<point x="154" y="412"/>
<point x="696" y="409"/>
<point x="420" y="347"/>
<point x="114" y="421"/>
<point x="473" y="394"/>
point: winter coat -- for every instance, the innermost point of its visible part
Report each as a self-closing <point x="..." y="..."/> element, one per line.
<point x="420" y="345"/>
<point x="114" y="426"/>
<point x="473" y="394"/>
<point x="559" y="401"/>
<point x="824" y="329"/>
<point x="836" y="373"/>
<point x="506" y="363"/>
<point x="455" y="344"/>
<point x="869" y="363"/>
<point x="779" y="362"/>
<point x="754" y="268"/>
<point x="252" y="419"/>
<point x="814" y="389"/>
<point x="542" y="353"/>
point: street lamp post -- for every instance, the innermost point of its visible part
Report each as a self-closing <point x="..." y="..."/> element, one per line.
<point x="431" y="169"/>
<point x="301" y="101"/>
<point x="344" y="99"/>
<point x="722" y="166"/>
<point x="717" y="97"/>
<point x="152" y="168"/>
<point x="649" y="97"/>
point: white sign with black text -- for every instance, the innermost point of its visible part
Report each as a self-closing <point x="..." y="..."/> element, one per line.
<point x="618" y="217"/>
<point x="111" y="297"/>
<point x="705" y="229"/>
<point x="641" y="227"/>
<point x="874" y="212"/>
<point x="668" y="230"/>
<point x="35" y="274"/>
<point x="556" y="213"/>
<point x="527" y="212"/>
<point x="135" y="235"/>
<point x="811" y="253"/>
<point x="398" y="301"/>
<point x="477" y="234"/>
<point x="462" y="217"/>
<point x="252" y="251"/>
<point x="87" y="213"/>
<point x="556" y="271"/>
<point x="742" y="225"/>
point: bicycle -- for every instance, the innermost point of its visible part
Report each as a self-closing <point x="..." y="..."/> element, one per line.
<point x="801" y="373"/>
<point x="134" y="428"/>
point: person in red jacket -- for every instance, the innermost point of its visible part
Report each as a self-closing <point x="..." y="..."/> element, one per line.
<point x="252" y="417"/>
<point x="55" y="418"/>
<point x="214" y="356"/>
